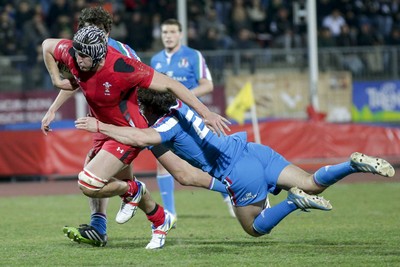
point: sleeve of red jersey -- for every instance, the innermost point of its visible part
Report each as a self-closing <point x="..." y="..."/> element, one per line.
<point x="143" y="74"/>
<point x="61" y="52"/>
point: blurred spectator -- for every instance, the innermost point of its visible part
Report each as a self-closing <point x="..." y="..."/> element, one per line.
<point x="58" y="8"/>
<point x="348" y="59"/>
<point x="346" y="37"/>
<point x="62" y="27"/>
<point x="274" y="5"/>
<point x="156" y="32"/>
<point x="139" y="32"/>
<point x="34" y="32"/>
<point x="385" y="19"/>
<point x="210" y="40"/>
<point x="223" y="8"/>
<point x="257" y="16"/>
<point x="135" y="5"/>
<point x="394" y="37"/>
<point x="8" y="37"/>
<point x="119" y="30"/>
<point x="35" y="76"/>
<point x="210" y="20"/>
<point x="281" y="28"/>
<point x="23" y="14"/>
<point x="326" y="40"/>
<point x="239" y="18"/>
<point x="193" y="37"/>
<point x="334" y="22"/>
<point x="245" y="41"/>
<point x="367" y="36"/>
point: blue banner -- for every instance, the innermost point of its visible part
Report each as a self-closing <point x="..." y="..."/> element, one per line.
<point x="376" y="101"/>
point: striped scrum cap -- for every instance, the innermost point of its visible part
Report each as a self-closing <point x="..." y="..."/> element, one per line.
<point x="92" y="42"/>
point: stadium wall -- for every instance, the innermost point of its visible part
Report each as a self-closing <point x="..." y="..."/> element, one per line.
<point x="308" y="143"/>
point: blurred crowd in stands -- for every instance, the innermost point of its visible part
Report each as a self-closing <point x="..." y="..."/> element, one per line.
<point x="212" y="24"/>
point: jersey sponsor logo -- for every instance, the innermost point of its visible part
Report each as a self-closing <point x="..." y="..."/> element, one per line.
<point x="180" y="79"/>
<point x="120" y="150"/>
<point x="158" y="66"/>
<point x="176" y="78"/>
<point x="107" y="86"/>
<point x="183" y="63"/>
<point x="247" y="197"/>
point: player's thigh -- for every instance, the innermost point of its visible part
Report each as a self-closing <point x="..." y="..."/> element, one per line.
<point x="177" y="167"/>
<point x="161" y="170"/>
<point x="292" y="176"/>
<point x="105" y="165"/>
<point x="126" y="173"/>
<point x="246" y="215"/>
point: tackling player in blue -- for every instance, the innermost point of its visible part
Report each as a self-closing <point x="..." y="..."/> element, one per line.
<point x="249" y="171"/>
<point x="189" y="67"/>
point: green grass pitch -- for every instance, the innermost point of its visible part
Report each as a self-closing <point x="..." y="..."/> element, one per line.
<point x="363" y="229"/>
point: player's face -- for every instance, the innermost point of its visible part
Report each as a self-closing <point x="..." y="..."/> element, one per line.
<point x="84" y="61"/>
<point x="170" y="36"/>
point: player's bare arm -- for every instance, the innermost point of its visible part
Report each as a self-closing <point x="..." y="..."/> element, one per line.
<point x="126" y="135"/>
<point x="205" y="87"/>
<point x="164" y="83"/>
<point x="61" y="98"/>
<point x="48" y="47"/>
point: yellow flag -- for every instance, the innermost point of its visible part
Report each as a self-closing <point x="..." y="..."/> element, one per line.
<point x="242" y="102"/>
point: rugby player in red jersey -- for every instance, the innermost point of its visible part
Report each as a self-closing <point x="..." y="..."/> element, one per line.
<point x="106" y="78"/>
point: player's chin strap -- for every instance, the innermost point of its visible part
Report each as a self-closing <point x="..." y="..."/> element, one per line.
<point x="90" y="181"/>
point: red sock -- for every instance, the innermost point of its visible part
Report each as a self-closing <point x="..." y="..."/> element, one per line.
<point x="132" y="190"/>
<point x="157" y="216"/>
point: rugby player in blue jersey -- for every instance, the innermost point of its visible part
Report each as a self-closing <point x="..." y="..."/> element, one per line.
<point x="189" y="67"/>
<point x="249" y="171"/>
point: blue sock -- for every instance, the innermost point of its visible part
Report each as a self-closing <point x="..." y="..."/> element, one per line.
<point x="99" y="222"/>
<point x="218" y="186"/>
<point x="329" y="175"/>
<point x="270" y="217"/>
<point x="166" y="186"/>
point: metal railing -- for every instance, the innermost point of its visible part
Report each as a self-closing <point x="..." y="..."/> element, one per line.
<point x="365" y="63"/>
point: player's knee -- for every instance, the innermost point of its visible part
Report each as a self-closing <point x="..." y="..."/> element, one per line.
<point x="90" y="184"/>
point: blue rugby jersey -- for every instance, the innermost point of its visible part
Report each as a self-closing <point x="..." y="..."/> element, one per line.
<point x="184" y="132"/>
<point x="187" y="66"/>
<point x="123" y="48"/>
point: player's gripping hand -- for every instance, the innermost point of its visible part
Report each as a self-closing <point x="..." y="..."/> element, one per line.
<point x="47" y="119"/>
<point x="89" y="124"/>
<point x="217" y="123"/>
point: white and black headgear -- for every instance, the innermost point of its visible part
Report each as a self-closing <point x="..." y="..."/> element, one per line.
<point x="92" y="42"/>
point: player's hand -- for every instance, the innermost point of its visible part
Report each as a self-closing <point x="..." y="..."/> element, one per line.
<point x="47" y="119"/>
<point x="89" y="124"/>
<point x="217" y="123"/>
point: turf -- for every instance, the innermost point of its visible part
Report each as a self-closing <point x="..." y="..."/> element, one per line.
<point x="361" y="230"/>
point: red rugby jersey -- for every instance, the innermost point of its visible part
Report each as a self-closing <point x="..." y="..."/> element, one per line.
<point x="113" y="84"/>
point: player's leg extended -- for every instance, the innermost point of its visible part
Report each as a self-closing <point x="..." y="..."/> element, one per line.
<point x="326" y="176"/>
